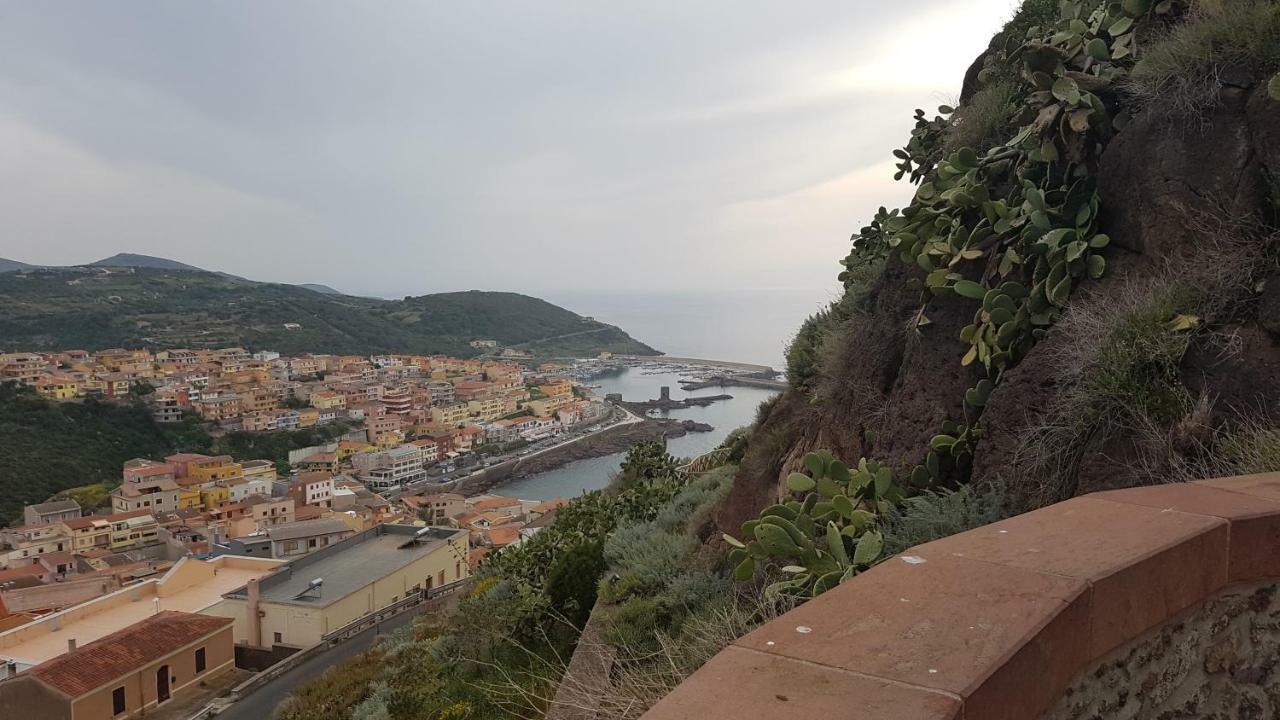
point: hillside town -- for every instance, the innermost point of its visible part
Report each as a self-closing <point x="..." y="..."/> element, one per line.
<point x="393" y="396"/>
<point x="205" y="544"/>
<point x="253" y="566"/>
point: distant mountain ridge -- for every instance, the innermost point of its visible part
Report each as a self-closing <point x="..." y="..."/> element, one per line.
<point x="91" y="307"/>
<point x="135" y="260"/>
<point x="138" y="260"/>
<point x="7" y="265"/>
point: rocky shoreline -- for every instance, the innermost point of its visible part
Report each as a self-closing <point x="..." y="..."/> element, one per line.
<point x="606" y="442"/>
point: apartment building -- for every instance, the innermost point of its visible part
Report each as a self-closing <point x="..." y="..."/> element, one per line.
<point x="313" y="488"/>
<point x="158" y="495"/>
<point x="49" y="513"/>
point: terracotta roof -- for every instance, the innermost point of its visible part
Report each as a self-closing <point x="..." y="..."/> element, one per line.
<point x="504" y="535"/>
<point x="494" y="503"/>
<point x="124" y="651"/>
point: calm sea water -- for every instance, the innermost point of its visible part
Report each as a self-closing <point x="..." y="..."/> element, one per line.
<point x="745" y="325"/>
<point x="636" y="384"/>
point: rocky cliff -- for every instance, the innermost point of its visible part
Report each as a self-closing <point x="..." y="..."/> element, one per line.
<point x="1083" y="292"/>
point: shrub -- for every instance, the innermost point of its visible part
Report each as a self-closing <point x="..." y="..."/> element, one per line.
<point x="1254" y="447"/>
<point x="572" y="582"/>
<point x="986" y="119"/>
<point x="648" y="555"/>
<point x="938" y="514"/>
<point x="1179" y="73"/>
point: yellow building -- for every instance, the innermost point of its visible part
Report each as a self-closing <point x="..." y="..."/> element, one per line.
<point x="189" y="497"/>
<point x="58" y="387"/>
<point x="487" y="409"/>
<point x="558" y="388"/>
<point x="450" y="415"/>
<point x="259" y="469"/>
<point x="214" y="468"/>
<point x="358" y="576"/>
<point x="328" y="400"/>
<point x="548" y="405"/>
<point x="215" y="496"/>
<point x="308" y="417"/>
<point x="133" y="528"/>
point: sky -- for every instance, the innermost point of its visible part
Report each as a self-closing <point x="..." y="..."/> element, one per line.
<point x="398" y="148"/>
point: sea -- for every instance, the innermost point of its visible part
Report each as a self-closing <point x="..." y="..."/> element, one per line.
<point x="641" y="383"/>
<point x="743" y="326"/>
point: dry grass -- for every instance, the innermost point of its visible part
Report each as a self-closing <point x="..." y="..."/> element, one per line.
<point x="628" y="681"/>
<point x="988" y="118"/>
<point x="1118" y="359"/>
<point x="1180" y="72"/>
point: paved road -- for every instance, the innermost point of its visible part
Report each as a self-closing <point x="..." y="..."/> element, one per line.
<point x="260" y="704"/>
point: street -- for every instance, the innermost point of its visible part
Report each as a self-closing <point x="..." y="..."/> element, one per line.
<point x="260" y="704"/>
<point x="531" y="450"/>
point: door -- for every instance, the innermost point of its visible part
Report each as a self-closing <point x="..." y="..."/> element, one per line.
<point x="162" y="684"/>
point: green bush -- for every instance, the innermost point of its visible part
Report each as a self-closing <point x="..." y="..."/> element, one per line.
<point x="986" y="119"/>
<point x="634" y="624"/>
<point x="1180" y="71"/>
<point x="649" y="555"/>
<point x="572" y="582"/>
<point x="942" y="513"/>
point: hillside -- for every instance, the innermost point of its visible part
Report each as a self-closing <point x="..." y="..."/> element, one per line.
<point x="49" y="447"/>
<point x="96" y="308"/>
<point x="7" y="265"/>
<point x="1083" y="294"/>
<point x="135" y="260"/>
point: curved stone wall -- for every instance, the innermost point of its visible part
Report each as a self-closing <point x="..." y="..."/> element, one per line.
<point x="1219" y="661"/>
<point x="1000" y="622"/>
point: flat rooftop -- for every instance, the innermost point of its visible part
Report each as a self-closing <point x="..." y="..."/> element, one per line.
<point x="85" y="627"/>
<point x="350" y="564"/>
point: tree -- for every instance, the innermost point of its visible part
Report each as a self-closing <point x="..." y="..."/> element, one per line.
<point x="573" y="580"/>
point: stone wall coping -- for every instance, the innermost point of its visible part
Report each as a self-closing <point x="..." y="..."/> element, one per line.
<point x="996" y="622"/>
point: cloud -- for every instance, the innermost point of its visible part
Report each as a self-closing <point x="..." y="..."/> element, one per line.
<point x="56" y="196"/>
<point x="415" y="147"/>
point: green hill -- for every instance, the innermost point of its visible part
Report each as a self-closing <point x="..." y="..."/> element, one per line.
<point x="94" y="308"/>
<point x="51" y="447"/>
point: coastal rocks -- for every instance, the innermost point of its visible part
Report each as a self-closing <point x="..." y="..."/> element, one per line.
<point x="606" y="442"/>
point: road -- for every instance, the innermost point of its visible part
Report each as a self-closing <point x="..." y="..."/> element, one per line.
<point x="260" y="704"/>
<point x="529" y="451"/>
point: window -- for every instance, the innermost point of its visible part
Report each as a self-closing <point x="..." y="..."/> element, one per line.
<point x="279" y="637"/>
<point x="200" y="660"/>
<point x="117" y="701"/>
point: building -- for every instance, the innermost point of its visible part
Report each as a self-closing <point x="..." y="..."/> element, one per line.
<point x="390" y="469"/>
<point x="159" y="495"/>
<point x="313" y="488"/>
<point x="450" y="415"/>
<point x="191" y="585"/>
<point x="50" y="512"/>
<point x="125" y="674"/>
<point x="328" y="589"/>
<point x="22" y="546"/>
<point x="289" y="540"/>
<point x="438" y="509"/>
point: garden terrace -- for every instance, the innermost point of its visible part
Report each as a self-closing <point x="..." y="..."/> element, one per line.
<point x="1116" y="604"/>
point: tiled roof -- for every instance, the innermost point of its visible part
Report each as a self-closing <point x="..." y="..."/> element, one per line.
<point x="124" y="651"/>
<point x="56" y="506"/>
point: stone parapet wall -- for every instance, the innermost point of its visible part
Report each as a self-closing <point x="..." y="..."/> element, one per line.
<point x="1001" y="622"/>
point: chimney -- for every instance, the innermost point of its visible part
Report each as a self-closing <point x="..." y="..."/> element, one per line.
<point x="254" y="621"/>
<point x="71" y="644"/>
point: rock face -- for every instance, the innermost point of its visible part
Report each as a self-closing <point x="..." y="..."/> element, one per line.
<point x="892" y="384"/>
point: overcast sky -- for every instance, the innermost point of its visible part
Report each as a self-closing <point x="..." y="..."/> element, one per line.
<point x="400" y="148"/>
